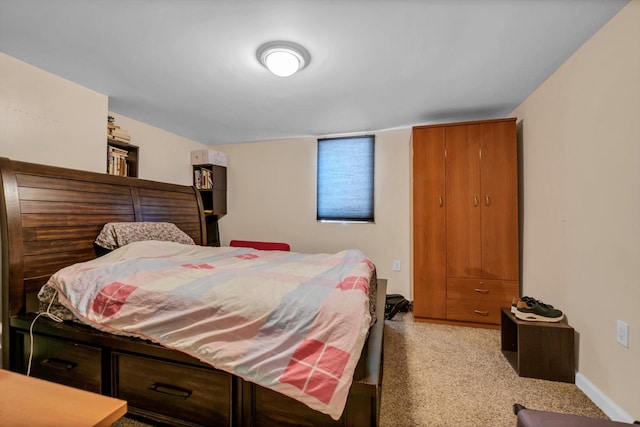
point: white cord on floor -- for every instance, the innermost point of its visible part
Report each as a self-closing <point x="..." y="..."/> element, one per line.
<point x="45" y="314"/>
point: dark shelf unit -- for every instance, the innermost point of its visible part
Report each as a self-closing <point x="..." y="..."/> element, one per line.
<point x="544" y="350"/>
<point x="214" y="197"/>
<point x="132" y="157"/>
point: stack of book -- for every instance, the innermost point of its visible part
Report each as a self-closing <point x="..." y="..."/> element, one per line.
<point x="203" y="178"/>
<point x="115" y="132"/>
<point x="117" y="161"/>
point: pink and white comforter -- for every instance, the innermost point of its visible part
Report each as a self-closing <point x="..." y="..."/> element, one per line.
<point x="291" y="322"/>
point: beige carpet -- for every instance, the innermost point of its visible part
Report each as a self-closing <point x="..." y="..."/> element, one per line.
<point x="439" y="375"/>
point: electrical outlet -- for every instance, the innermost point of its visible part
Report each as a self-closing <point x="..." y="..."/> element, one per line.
<point x="396" y="265"/>
<point x="622" y="333"/>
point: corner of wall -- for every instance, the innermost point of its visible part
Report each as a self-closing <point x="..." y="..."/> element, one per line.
<point x="602" y="401"/>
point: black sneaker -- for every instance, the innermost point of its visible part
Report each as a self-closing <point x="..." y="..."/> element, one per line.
<point x="525" y="299"/>
<point x="538" y="301"/>
<point x="535" y="311"/>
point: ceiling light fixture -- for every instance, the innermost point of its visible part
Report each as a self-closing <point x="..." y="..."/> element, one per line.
<point x="283" y="58"/>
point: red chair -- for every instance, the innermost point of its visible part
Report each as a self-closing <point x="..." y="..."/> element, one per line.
<point x="263" y="246"/>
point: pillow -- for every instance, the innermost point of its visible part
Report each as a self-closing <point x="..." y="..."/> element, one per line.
<point x="116" y="234"/>
<point x="48" y="303"/>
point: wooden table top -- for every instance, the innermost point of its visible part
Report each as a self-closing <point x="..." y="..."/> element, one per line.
<point x="27" y="401"/>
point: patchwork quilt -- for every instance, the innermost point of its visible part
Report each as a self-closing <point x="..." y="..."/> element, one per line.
<point x="295" y="323"/>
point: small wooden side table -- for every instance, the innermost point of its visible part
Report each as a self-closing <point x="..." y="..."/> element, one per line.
<point x="28" y="402"/>
<point x="542" y="350"/>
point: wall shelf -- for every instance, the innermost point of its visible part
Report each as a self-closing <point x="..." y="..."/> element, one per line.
<point x="122" y="158"/>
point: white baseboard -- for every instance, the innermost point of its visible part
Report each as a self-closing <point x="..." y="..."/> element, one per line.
<point x="602" y="401"/>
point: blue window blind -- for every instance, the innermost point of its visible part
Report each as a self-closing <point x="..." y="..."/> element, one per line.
<point x="345" y="179"/>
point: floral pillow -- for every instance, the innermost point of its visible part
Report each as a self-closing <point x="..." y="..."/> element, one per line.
<point x="116" y="234"/>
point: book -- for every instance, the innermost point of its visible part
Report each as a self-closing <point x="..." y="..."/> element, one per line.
<point x="203" y="178"/>
<point x="117" y="161"/>
<point x="120" y="133"/>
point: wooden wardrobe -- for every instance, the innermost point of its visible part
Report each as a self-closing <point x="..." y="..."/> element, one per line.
<point x="465" y="221"/>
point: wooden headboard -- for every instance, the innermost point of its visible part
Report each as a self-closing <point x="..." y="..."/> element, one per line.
<point x="51" y="217"/>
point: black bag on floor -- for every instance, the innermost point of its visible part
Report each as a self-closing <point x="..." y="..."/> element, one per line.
<point x="394" y="304"/>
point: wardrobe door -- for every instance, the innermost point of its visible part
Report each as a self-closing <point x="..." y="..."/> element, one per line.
<point x="499" y="203"/>
<point x="464" y="257"/>
<point x="429" y="251"/>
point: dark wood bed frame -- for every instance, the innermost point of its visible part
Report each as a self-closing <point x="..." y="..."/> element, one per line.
<point x="50" y="217"/>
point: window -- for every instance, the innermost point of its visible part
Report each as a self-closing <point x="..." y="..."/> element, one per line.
<point x="345" y="179"/>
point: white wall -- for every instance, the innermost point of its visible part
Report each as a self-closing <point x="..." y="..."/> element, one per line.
<point x="49" y="120"/>
<point x="271" y="195"/>
<point x="581" y="137"/>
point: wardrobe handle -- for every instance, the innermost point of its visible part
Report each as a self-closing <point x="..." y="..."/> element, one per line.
<point x="475" y="200"/>
<point x="481" y="291"/>
<point x="487" y="200"/>
<point x="440" y="200"/>
<point x="481" y="312"/>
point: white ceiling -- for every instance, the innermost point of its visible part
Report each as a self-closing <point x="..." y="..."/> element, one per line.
<point x="190" y="67"/>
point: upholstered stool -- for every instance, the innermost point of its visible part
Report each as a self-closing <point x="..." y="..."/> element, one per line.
<point x="531" y="418"/>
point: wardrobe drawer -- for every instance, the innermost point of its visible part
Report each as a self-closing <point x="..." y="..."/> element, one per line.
<point x="472" y="310"/>
<point x="184" y="392"/>
<point x="64" y="362"/>
<point x="489" y="290"/>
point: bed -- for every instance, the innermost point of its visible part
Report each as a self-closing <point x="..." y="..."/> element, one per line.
<point x="50" y="219"/>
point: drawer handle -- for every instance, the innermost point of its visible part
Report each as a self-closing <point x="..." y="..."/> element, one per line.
<point x="170" y="390"/>
<point x="481" y="291"/>
<point x="481" y="312"/>
<point x="59" y="364"/>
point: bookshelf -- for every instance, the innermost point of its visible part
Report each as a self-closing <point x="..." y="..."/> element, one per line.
<point x="211" y="181"/>
<point x="122" y="158"/>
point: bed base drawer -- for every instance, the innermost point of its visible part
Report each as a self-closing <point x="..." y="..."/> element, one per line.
<point x="63" y="362"/>
<point x="179" y="392"/>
